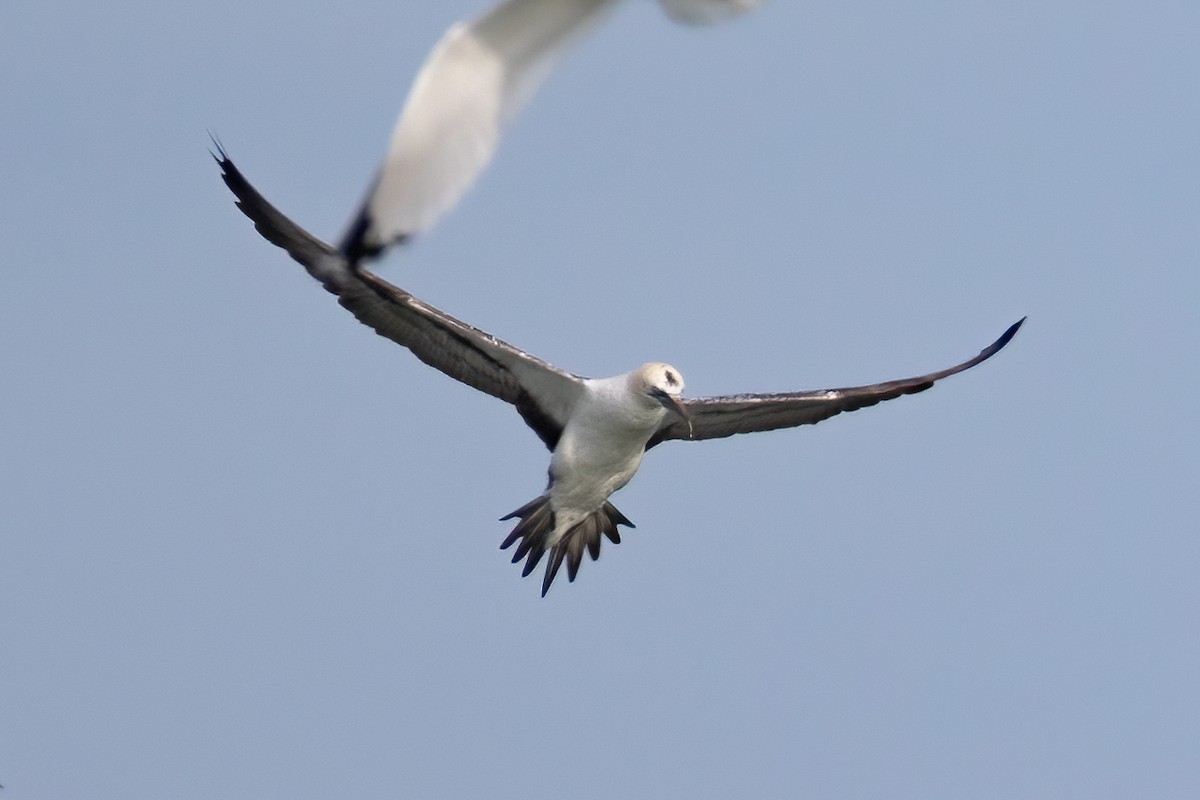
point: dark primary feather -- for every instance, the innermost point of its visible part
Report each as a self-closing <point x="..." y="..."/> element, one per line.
<point x="268" y="220"/>
<point x="717" y="417"/>
<point x="355" y="246"/>
<point x="449" y="345"/>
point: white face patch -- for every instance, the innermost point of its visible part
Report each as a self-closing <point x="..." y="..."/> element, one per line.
<point x="667" y="378"/>
<point x="661" y="377"/>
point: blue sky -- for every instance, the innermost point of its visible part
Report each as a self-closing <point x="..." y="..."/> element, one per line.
<point x="250" y="548"/>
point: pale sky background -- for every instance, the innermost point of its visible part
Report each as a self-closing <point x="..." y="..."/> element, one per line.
<point x="250" y="549"/>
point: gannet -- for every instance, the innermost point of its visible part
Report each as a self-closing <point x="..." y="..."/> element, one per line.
<point x="597" y="430"/>
<point x="477" y="78"/>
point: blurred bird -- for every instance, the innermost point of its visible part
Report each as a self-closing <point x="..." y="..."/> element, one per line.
<point x="478" y="77"/>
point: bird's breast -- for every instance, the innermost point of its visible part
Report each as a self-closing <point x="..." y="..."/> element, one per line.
<point x="599" y="451"/>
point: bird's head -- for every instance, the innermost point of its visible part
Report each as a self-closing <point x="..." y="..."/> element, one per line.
<point x="663" y="384"/>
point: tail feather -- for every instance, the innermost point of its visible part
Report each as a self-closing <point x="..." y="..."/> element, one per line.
<point x="556" y="558"/>
<point x="536" y="527"/>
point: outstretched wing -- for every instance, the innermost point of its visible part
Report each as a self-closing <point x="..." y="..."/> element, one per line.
<point x="477" y="79"/>
<point x="543" y="394"/>
<point x="717" y="417"/>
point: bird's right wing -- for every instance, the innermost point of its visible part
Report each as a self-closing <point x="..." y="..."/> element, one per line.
<point x="543" y="394"/>
<point x="477" y="79"/>
<point x="717" y="417"/>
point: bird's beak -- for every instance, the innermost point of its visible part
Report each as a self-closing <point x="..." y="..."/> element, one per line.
<point x="675" y="404"/>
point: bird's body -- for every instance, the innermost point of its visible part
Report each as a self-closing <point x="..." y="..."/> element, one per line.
<point x="598" y="430"/>
<point x="599" y="451"/>
<point x="603" y="442"/>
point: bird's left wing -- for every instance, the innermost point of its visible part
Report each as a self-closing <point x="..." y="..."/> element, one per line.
<point x="717" y="417"/>
<point x="543" y="394"/>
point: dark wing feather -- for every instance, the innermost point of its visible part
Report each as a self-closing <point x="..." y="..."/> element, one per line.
<point x="542" y="393"/>
<point x="717" y="417"/>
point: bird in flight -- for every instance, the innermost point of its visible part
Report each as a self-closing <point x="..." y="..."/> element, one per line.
<point x="597" y="430"/>
<point x="476" y="80"/>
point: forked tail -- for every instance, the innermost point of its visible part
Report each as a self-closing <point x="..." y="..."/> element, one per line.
<point x="537" y="527"/>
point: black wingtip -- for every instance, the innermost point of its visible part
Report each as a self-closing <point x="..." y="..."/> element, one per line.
<point x="1007" y="336"/>
<point x="218" y="149"/>
<point x="354" y="246"/>
<point x="232" y="176"/>
<point x="274" y="226"/>
<point x="1012" y="329"/>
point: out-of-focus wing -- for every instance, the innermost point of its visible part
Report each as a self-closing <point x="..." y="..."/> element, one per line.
<point x="478" y="77"/>
<point x="695" y="12"/>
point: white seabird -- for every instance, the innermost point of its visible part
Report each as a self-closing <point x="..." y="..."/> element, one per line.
<point x="596" y="429"/>
<point x="476" y="79"/>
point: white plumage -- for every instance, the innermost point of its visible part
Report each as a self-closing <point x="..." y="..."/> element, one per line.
<point x="475" y="81"/>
